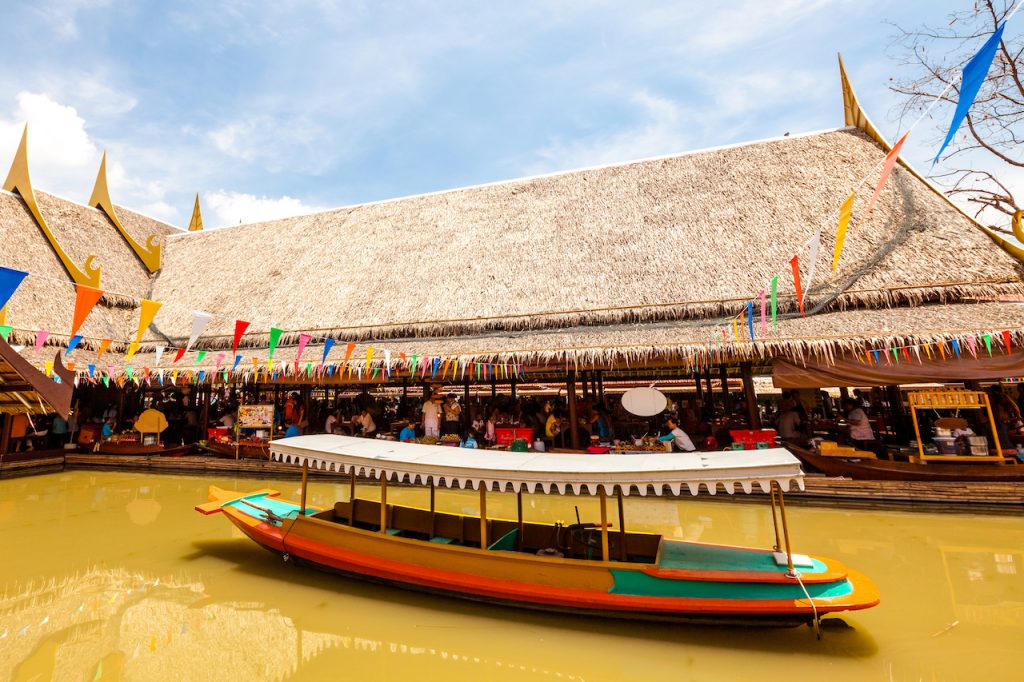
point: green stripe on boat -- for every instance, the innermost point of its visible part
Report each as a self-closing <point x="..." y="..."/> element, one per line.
<point x="639" y="584"/>
<point x="695" y="556"/>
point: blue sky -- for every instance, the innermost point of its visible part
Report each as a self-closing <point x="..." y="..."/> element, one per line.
<point x="271" y="108"/>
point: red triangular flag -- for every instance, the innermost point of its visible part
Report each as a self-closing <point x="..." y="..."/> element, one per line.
<point x="1006" y="340"/>
<point x="86" y="299"/>
<point x="794" y="263"/>
<point x="179" y="354"/>
<point x="240" y="327"/>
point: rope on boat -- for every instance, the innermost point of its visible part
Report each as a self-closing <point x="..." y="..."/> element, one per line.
<point x="814" y="608"/>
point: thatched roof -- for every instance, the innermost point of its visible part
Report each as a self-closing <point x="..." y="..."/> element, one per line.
<point x="688" y="236"/>
<point x="46" y="298"/>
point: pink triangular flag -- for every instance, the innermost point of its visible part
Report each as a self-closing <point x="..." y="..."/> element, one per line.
<point x="303" y="340"/>
<point x="890" y="163"/>
<point x="41" y="337"/>
<point x="764" y="313"/>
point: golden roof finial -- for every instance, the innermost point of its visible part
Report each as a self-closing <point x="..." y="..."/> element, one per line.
<point x="196" y="223"/>
<point x="148" y="254"/>
<point x="19" y="180"/>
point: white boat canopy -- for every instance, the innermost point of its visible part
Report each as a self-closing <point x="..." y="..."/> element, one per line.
<point x="545" y="472"/>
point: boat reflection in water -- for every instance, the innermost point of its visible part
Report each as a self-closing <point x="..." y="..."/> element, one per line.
<point x="88" y="593"/>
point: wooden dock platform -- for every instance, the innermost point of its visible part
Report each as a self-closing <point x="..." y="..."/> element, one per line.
<point x="997" y="497"/>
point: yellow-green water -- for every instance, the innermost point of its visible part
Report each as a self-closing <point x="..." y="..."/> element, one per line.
<point x="114" y="576"/>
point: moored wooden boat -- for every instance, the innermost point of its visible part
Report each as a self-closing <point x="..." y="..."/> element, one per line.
<point x="587" y="568"/>
<point x="886" y="470"/>
<point x="114" y="448"/>
<point x="243" y="450"/>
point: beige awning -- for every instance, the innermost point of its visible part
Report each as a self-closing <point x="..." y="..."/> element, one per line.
<point x="544" y="472"/>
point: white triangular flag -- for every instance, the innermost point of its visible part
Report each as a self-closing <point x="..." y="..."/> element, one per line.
<point x="159" y="354"/>
<point x="815" y="245"/>
<point x="199" y="322"/>
<point x="387" y="362"/>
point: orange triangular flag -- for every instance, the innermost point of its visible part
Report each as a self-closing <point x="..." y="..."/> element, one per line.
<point x="104" y="345"/>
<point x="890" y="163"/>
<point x="86" y="299"/>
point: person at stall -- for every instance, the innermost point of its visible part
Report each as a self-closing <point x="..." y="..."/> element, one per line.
<point x="332" y="419"/>
<point x="292" y="430"/>
<point x="680" y="440"/>
<point x="552" y="428"/>
<point x="469" y="441"/>
<point x="58" y="431"/>
<point x="108" y="428"/>
<point x="432" y="416"/>
<point x="788" y="423"/>
<point x="408" y="433"/>
<point x="368" y="427"/>
<point x="452" y="414"/>
<point x="861" y="434"/>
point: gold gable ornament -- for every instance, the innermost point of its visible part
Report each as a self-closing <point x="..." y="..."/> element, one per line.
<point x="20" y="182"/>
<point x="196" y="224"/>
<point x="148" y="254"/>
<point x="854" y="116"/>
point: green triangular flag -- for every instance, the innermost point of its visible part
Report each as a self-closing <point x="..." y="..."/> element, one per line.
<point x="106" y="381"/>
<point x="775" y="300"/>
<point x="988" y="343"/>
<point x="5" y="331"/>
<point x="309" y="369"/>
<point x="200" y="355"/>
<point x="896" y="355"/>
<point x="128" y="371"/>
<point x="275" y="335"/>
<point x="375" y="370"/>
<point x="412" y="368"/>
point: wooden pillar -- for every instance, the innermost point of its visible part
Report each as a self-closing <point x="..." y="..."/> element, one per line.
<point x="709" y="400"/>
<point x="604" y="525"/>
<point x="483" y="515"/>
<point x="844" y="393"/>
<point x="512" y="386"/>
<point x="584" y="379"/>
<point x="467" y="412"/>
<point x="519" y="519"/>
<point x="494" y="385"/>
<point x="899" y="420"/>
<point x="600" y="386"/>
<point x="723" y="378"/>
<point x="574" y="431"/>
<point x="699" y="388"/>
<point x="6" y="420"/>
<point x="622" y="527"/>
<point x="383" y="502"/>
<point x="305" y="481"/>
<point x="753" y="414"/>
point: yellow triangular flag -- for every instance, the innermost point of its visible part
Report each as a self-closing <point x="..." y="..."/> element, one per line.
<point x="146" y="315"/>
<point x="844" y="221"/>
<point x="132" y="347"/>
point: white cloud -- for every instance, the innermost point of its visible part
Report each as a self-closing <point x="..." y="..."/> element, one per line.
<point x="62" y="156"/>
<point x="660" y="132"/>
<point x="231" y="208"/>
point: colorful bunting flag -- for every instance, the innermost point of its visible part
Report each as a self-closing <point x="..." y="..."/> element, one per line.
<point x="41" y="337"/>
<point x="179" y="355"/>
<point x="988" y="343"/>
<point x="86" y="299"/>
<point x="890" y="163"/>
<point x="73" y="343"/>
<point x="10" y="280"/>
<point x="146" y="314"/>
<point x="275" y="335"/>
<point x="199" y="322"/>
<point x="750" y="318"/>
<point x="1007" y="346"/>
<point x="845" y="211"/>
<point x="238" y="359"/>
<point x="104" y="345"/>
<point x="764" y="317"/>
<point x="240" y="327"/>
<point x="159" y="355"/>
<point x="348" y="353"/>
<point x="303" y="340"/>
<point x="132" y="348"/>
<point x="5" y="331"/>
<point x="794" y="263"/>
<point x="328" y="345"/>
<point x="972" y="76"/>
<point x="775" y="301"/>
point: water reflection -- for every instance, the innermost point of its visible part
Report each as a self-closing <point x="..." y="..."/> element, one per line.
<point x="113" y="576"/>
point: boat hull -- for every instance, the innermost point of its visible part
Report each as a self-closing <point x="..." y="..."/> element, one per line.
<point x="597" y="588"/>
<point x="244" y="451"/>
<point x="136" y="449"/>
<point x="886" y="470"/>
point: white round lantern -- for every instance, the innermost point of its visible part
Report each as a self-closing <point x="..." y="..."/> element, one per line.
<point x="644" y="402"/>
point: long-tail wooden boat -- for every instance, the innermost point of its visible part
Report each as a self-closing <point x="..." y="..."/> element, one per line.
<point x="582" y="568"/>
<point x="869" y="469"/>
<point x="243" y="450"/>
<point x="114" y="448"/>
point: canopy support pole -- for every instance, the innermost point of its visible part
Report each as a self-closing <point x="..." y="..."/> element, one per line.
<point x="753" y="414"/>
<point x="519" y="519"/>
<point x="383" y="502"/>
<point x="775" y="520"/>
<point x="604" y="524"/>
<point x="785" y="533"/>
<point x="352" y="496"/>
<point x="305" y="480"/>
<point x="622" y="528"/>
<point x="574" y="427"/>
<point x="433" y="493"/>
<point x="483" y="515"/>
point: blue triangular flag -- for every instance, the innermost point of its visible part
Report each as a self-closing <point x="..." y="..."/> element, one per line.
<point x="73" y="343"/>
<point x="750" y="319"/>
<point x="972" y="76"/>
<point x="328" y="345"/>
<point x="238" y="359"/>
<point x="92" y="371"/>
